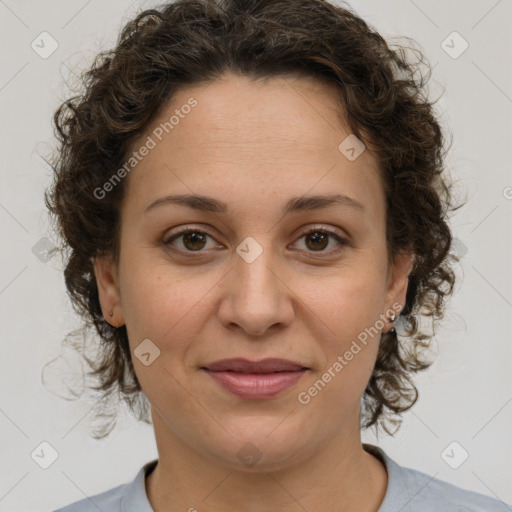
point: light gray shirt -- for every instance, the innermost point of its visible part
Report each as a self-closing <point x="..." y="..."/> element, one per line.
<point x="408" y="490"/>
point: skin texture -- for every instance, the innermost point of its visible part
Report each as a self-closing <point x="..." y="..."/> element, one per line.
<point x="254" y="145"/>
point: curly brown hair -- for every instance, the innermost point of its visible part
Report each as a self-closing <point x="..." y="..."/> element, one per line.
<point x="382" y="95"/>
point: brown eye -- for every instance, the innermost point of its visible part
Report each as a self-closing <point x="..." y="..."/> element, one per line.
<point x="193" y="240"/>
<point x="317" y="240"/>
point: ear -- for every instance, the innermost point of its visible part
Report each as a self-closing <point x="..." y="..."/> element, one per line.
<point x="105" y="271"/>
<point x="398" y="279"/>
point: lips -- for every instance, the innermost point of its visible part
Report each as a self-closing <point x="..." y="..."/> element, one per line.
<point x="240" y="365"/>
<point x="255" y="380"/>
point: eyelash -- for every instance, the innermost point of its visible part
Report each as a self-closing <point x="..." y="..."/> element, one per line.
<point x="342" y="241"/>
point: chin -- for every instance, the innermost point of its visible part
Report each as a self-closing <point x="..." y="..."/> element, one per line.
<point x="260" y="449"/>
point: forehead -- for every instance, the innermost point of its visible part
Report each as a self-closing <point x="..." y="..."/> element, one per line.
<point x="245" y="139"/>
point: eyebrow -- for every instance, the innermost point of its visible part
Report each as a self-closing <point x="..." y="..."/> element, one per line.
<point x="295" y="204"/>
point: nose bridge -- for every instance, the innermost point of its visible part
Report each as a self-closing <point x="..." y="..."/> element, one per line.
<point x="256" y="296"/>
<point x="255" y="268"/>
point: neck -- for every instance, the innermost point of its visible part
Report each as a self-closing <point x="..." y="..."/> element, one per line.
<point x="338" y="476"/>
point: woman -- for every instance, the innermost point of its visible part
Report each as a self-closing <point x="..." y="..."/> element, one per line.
<point x="252" y="195"/>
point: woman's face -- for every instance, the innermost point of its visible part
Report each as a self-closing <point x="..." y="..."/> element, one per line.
<point x="251" y="283"/>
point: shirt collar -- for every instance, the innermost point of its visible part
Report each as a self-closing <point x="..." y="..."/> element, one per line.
<point x="397" y="494"/>
<point x="136" y="499"/>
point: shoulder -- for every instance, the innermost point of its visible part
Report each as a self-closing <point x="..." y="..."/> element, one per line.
<point x="426" y="491"/>
<point x="411" y="490"/>
<point x="129" y="497"/>
<point x="107" y="501"/>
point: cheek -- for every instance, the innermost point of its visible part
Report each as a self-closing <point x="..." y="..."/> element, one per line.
<point x="164" y="305"/>
<point x="350" y="304"/>
<point x="349" y="309"/>
<point x="348" y="362"/>
<point x="166" y="310"/>
<point x="150" y="295"/>
<point x="147" y="305"/>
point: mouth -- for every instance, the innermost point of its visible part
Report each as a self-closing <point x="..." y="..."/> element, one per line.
<point x="269" y="365"/>
<point x="255" y="379"/>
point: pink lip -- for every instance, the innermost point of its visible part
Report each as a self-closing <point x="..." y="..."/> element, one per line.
<point x="241" y="365"/>
<point x="256" y="385"/>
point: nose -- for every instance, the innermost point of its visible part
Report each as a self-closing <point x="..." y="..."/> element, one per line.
<point x="256" y="297"/>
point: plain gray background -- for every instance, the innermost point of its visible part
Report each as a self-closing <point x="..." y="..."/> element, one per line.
<point x="465" y="397"/>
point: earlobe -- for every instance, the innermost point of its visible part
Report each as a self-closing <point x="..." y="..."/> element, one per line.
<point x="105" y="271"/>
